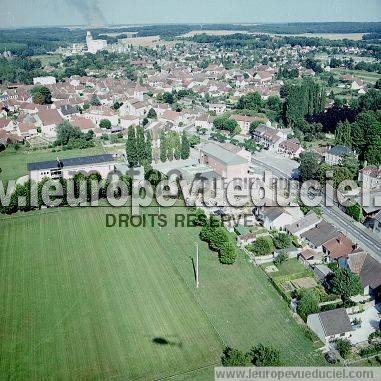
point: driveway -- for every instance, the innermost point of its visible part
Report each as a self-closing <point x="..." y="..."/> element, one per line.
<point x="370" y="322"/>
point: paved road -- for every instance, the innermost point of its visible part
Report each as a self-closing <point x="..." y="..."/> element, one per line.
<point x="354" y="230"/>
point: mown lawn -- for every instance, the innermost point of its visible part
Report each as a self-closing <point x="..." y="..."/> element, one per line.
<point x="14" y="163"/>
<point x="290" y="267"/>
<point x="82" y="301"/>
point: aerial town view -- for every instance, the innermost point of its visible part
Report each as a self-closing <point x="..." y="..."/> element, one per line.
<point x="190" y="190"/>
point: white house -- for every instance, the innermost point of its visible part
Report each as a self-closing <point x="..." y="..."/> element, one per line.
<point x="330" y="325"/>
<point x="49" y="80"/>
<point x="219" y="108"/>
<point x="274" y="217"/>
<point x="48" y="120"/>
<point x="370" y="177"/>
<point x="129" y="120"/>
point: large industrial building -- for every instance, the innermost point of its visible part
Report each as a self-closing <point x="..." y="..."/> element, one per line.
<point x="67" y="168"/>
<point x="224" y="162"/>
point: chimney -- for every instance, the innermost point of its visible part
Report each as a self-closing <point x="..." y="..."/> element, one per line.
<point x="339" y="240"/>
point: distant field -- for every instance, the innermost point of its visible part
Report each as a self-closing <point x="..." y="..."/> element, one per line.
<point x="14" y="163"/>
<point x="334" y="36"/>
<point x="213" y="32"/>
<point x="368" y="77"/>
<point x="49" y="59"/>
<point x="82" y="301"/>
<point x="142" y="41"/>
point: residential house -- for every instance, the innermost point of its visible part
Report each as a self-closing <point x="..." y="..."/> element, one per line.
<point x="67" y="111"/>
<point x="135" y="108"/>
<point x="310" y="256"/>
<point x="320" y="234"/>
<point x="330" y="325"/>
<point x="370" y="177"/>
<point x="48" y="120"/>
<point x="338" y="247"/>
<point x="9" y="138"/>
<point x="6" y="124"/>
<point x="274" y="217"/>
<point x="309" y="221"/>
<point x="129" y="120"/>
<point x="97" y="113"/>
<point x="172" y="117"/>
<point x="48" y="80"/>
<point x="84" y="124"/>
<point x="26" y="129"/>
<point x="204" y="121"/>
<point x="374" y="222"/>
<point x="290" y="148"/>
<point x="268" y="137"/>
<point x="244" y="122"/>
<point x="369" y="271"/>
<point x="248" y="238"/>
<point x="335" y="154"/>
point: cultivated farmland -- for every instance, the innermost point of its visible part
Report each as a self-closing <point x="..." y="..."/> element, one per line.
<point x="82" y="301"/>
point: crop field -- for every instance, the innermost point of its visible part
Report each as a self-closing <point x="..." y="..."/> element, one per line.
<point x="81" y="301"/>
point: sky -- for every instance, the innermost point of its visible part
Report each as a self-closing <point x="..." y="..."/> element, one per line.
<point x="16" y="13"/>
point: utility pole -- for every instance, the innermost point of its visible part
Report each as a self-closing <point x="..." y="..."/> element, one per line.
<point x="197" y="282"/>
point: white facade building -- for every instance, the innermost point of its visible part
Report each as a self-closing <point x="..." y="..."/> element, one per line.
<point x="94" y="46"/>
<point x="49" y="80"/>
<point x="67" y="168"/>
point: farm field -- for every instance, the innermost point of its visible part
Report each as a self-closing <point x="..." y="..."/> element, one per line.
<point x="366" y="76"/>
<point x="14" y="163"/>
<point x="82" y="301"/>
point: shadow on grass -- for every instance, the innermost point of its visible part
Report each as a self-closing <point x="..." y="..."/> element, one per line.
<point x="163" y="341"/>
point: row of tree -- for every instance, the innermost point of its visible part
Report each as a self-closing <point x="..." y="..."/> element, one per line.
<point x="172" y="146"/>
<point x="138" y="147"/>
<point x="303" y="98"/>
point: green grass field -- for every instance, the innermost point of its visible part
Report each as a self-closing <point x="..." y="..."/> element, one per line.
<point x="85" y="302"/>
<point x="290" y="267"/>
<point x="48" y="59"/>
<point x="14" y="163"/>
<point x="368" y="77"/>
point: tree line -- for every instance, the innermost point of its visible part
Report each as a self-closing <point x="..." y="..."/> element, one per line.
<point x="172" y="146"/>
<point x="138" y="147"/>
